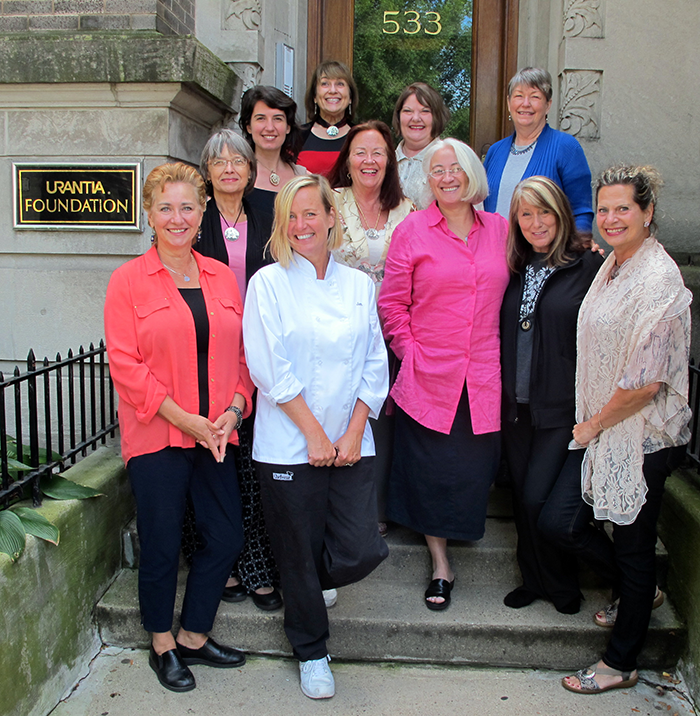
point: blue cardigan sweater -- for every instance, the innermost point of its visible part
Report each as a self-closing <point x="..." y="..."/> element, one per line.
<point x="558" y="156"/>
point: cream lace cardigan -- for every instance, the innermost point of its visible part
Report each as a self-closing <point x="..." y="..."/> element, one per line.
<point x="633" y="330"/>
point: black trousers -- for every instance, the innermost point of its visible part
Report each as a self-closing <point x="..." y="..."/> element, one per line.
<point x="161" y="483"/>
<point x="629" y="560"/>
<point x="535" y="458"/>
<point x="322" y="523"/>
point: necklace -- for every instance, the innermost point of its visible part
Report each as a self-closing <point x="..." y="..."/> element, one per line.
<point x="370" y="233"/>
<point x="232" y="233"/>
<point x="184" y="275"/>
<point x="515" y="152"/>
<point x="331" y="129"/>
<point x="274" y="176"/>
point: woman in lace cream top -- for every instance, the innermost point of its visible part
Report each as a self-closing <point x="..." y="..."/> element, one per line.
<point x="551" y="271"/>
<point x="632" y="412"/>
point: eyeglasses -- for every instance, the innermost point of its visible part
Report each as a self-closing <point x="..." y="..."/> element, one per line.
<point x="452" y="171"/>
<point x="236" y="163"/>
<point x="376" y="155"/>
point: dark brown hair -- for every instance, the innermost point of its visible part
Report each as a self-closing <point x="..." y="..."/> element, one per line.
<point x="274" y="99"/>
<point x="428" y="97"/>
<point x="390" y="194"/>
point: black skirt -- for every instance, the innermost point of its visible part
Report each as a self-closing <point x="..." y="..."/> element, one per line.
<point x="439" y="483"/>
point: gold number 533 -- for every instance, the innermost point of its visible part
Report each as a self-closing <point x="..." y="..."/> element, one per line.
<point x="412" y="23"/>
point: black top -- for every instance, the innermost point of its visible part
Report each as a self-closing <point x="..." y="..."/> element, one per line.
<point x="213" y="243"/>
<point x="553" y="365"/>
<point x="194" y="298"/>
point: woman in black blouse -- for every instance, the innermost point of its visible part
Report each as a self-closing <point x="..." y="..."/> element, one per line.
<point x="552" y="270"/>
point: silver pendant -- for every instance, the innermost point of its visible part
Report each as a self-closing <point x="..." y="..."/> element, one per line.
<point x="372" y="234"/>
<point x="231" y="233"/>
<point x="332" y="131"/>
<point x="274" y="179"/>
<point x="187" y="278"/>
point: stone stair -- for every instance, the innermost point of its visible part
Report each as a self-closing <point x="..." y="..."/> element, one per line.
<point x="383" y="618"/>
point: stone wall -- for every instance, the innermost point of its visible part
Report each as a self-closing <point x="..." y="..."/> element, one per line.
<point x="624" y="72"/>
<point x="169" y="17"/>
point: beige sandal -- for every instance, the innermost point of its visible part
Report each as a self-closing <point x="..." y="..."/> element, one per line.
<point x="588" y="684"/>
<point x="606" y="617"/>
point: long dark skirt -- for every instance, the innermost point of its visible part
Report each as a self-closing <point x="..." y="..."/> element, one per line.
<point x="439" y="484"/>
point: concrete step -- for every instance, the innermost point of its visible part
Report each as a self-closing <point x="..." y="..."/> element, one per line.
<point x="379" y="620"/>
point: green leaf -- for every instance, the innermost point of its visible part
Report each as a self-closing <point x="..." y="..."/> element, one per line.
<point x="16" y="466"/>
<point x="12" y="535"/>
<point x="36" y="524"/>
<point x="61" y="489"/>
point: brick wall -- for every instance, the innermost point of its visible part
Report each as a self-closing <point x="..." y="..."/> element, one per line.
<point x="169" y="17"/>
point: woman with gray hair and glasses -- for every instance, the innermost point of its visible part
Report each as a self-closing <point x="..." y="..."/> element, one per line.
<point x="535" y="149"/>
<point x="235" y="233"/>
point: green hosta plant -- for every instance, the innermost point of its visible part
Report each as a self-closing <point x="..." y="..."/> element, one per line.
<point x="19" y="521"/>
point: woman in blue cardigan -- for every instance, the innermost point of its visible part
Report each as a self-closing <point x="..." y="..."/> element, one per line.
<point x="535" y="149"/>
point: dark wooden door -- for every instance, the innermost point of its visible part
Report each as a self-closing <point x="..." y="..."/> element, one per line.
<point x="494" y="57"/>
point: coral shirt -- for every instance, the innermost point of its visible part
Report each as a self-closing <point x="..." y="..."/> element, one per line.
<point x="439" y="305"/>
<point x="152" y="349"/>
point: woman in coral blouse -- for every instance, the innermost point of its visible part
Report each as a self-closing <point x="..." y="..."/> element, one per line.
<point x="173" y="327"/>
<point x="444" y="280"/>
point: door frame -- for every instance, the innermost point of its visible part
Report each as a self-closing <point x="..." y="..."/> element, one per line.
<point x="494" y="57"/>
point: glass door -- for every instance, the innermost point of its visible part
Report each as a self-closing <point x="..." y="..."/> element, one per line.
<point x="399" y="42"/>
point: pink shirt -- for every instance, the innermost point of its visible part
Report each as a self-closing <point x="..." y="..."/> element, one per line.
<point x="440" y="304"/>
<point x="152" y="349"/>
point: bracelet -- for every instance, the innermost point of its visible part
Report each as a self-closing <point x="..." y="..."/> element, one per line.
<point x="239" y="415"/>
<point x="600" y="422"/>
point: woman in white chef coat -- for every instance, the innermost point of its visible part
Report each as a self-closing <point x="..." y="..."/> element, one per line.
<point x="315" y="351"/>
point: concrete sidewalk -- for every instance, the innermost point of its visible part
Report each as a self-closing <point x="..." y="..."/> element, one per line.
<point x="120" y="683"/>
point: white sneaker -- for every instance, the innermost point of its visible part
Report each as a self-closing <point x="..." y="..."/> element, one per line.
<point x="330" y="597"/>
<point x="316" y="678"/>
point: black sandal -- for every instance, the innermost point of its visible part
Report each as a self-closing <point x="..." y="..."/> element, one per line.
<point x="439" y="588"/>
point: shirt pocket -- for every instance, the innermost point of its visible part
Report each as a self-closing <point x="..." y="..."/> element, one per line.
<point x="229" y="304"/>
<point x="144" y="310"/>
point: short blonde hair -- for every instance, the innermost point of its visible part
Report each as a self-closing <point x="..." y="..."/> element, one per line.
<point x="173" y="173"/>
<point x="477" y="184"/>
<point x="278" y="245"/>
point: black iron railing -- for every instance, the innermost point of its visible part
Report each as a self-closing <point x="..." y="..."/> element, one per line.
<point x="51" y="414"/>
<point x="694" y="402"/>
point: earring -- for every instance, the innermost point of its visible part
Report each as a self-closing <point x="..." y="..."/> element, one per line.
<point x="315" y="109"/>
<point x="510" y="119"/>
<point x="348" y="176"/>
<point x="350" y="109"/>
<point x="199" y="234"/>
<point x="646" y="224"/>
<point x="153" y="236"/>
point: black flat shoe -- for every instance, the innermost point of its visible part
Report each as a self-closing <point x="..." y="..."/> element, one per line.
<point x="171" y="670"/>
<point x="212" y="654"/>
<point x="236" y="593"/>
<point x="519" y="598"/>
<point x="439" y="588"/>
<point x="570" y="607"/>
<point x="267" y="602"/>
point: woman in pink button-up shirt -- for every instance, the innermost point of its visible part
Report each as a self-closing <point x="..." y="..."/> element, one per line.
<point x="444" y="281"/>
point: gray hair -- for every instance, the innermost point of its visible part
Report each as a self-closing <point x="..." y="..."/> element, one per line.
<point x="477" y="184"/>
<point x="532" y="77"/>
<point x="228" y="139"/>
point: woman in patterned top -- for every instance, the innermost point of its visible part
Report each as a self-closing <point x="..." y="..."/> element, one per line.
<point x="632" y="418"/>
<point x="551" y="271"/>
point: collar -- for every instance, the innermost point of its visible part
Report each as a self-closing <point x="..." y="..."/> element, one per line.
<point x="307" y="269"/>
<point x="416" y="157"/>
<point x="434" y="216"/>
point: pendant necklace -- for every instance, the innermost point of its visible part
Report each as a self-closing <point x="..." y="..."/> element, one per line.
<point x="516" y="152"/>
<point x="274" y="176"/>
<point x="331" y="129"/>
<point x="370" y="233"/>
<point x="179" y="273"/>
<point x="231" y="233"/>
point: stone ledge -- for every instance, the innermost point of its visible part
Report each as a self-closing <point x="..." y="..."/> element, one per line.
<point x="48" y="595"/>
<point x="113" y="57"/>
<point x="679" y="528"/>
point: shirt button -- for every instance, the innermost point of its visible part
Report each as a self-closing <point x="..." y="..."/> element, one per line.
<point x="346" y="406"/>
<point x="211" y="313"/>
<point x="212" y="380"/>
<point x="212" y="357"/>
